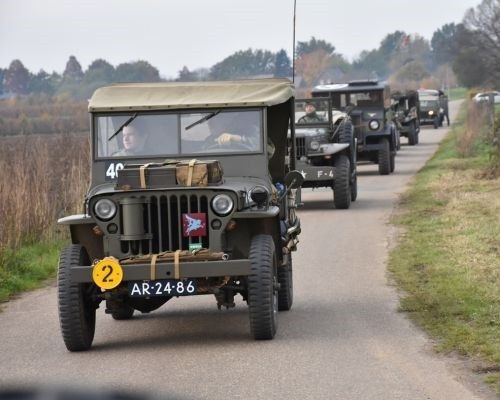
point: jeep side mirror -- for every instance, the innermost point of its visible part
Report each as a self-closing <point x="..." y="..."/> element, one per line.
<point x="294" y="180"/>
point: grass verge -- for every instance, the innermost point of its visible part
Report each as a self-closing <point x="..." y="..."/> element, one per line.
<point x="27" y="267"/>
<point x="448" y="261"/>
<point x="457" y="93"/>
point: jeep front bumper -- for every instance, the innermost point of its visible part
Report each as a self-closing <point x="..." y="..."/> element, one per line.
<point x="166" y="270"/>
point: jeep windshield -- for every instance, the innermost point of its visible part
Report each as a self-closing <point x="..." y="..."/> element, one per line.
<point x="428" y="104"/>
<point x="179" y="133"/>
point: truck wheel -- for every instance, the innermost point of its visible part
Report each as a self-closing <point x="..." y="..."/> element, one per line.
<point x="354" y="188"/>
<point x="393" y="161"/>
<point x="262" y="293"/>
<point x="76" y="310"/>
<point x="384" y="157"/>
<point x="341" y="184"/>
<point x="412" y="135"/>
<point x="285" y="279"/>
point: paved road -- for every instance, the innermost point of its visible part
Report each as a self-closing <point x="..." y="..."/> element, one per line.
<point x="343" y="339"/>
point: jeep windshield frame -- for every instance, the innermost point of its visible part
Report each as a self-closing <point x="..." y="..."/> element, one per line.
<point x="163" y="134"/>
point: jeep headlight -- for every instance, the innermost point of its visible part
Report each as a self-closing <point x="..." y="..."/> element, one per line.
<point x="314" y="145"/>
<point x="431" y="112"/>
<point x="374" y="124"/>
<point x="105" y="209"/>
<point x="222" y="204"/>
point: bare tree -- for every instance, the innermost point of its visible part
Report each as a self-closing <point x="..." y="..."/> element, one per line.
<point x="484" y="22"/>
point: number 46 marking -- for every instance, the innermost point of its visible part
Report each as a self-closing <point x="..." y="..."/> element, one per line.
<point x="112" y="171"/>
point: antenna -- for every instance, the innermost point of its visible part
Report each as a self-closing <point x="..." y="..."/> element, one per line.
<point x="293" y="57"/>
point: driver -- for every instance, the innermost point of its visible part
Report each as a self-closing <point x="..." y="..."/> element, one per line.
<point x="134" y="139"/>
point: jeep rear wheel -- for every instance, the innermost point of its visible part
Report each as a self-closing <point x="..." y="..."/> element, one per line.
<point x="262" y="287"/>
<point x="412" y="135"/>
<point x="341" y="184"/>
<point x="120" y="312"/>
<point x="285" y="279"/>
<point x="354" y="188"/>
<point x="77" y="311"/>
<point x="384" y="157"/>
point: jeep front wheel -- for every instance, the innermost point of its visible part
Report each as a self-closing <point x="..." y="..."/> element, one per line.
<point x="384" y="157"/>
<point x="341" y="184"/>
<point x="262" y="287"/>
<point x="77" y="311"/>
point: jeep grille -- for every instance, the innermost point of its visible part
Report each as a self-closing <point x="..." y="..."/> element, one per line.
<point x="162" y="216"/>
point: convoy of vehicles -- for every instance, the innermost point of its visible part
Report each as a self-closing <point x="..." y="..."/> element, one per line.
<point x="194" y="189"/>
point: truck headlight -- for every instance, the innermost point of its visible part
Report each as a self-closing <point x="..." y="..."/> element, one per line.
<point x="222" y="204"/>
<point x="431" y="112"/>
<point x="314" y="145"/>
<point x="105" y="209"/>
<point x="374" y="124"/>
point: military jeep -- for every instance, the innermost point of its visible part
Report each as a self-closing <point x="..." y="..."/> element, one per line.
<point x="326" y="149"/>
<point x="368" y="103"/>
<point x="433" y="107"/>
<point x="406" y="107"/>
<point x="205" y="204"/>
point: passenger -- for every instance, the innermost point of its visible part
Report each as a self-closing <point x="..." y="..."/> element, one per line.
<point x="311" y="115"/>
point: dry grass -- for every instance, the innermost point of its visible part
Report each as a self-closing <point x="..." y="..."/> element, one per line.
<point x="42" y="177"/>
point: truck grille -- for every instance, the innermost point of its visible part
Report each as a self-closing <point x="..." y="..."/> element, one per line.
<point x="162" y="217"/>
<point x="301" y="146"/>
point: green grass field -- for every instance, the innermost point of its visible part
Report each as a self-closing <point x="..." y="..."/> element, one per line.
<point x="448" y="261"/>
<point x="28" y="267"/>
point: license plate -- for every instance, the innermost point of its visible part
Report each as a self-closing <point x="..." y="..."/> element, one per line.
<point x="162" y="287"/>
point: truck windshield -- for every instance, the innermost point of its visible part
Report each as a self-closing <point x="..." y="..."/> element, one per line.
<point x="179" y="133"/>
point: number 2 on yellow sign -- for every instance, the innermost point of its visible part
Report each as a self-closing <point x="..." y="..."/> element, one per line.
<point x="107" y="273"/>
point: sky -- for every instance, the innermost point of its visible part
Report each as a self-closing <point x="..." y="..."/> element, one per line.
<point x="171" y="34"/>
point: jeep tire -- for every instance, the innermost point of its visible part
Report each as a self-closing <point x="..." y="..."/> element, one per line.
<point x="285" y="279"/>
<point x="77" y="313"/>
<point x="341" y="184"/>
<point x="346" y="133"/>
<point x="412" y="135"/>
<point x="384" y="157"/>
<point x="121" y="311"/>
<point x="262" y="287"/>
<point x="354" y="187"/>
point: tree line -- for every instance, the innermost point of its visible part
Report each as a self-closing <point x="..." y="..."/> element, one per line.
<point x="467" y="54"/>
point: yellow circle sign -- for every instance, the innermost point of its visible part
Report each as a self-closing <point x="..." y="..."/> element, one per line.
<point x="107" y="273"/>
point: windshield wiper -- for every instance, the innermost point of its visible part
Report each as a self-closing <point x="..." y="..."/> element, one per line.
<point x="205" y="118"/>
<point x="128" y="121"/>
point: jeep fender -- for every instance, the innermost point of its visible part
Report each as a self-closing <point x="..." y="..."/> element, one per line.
<point x="83" y="231"/>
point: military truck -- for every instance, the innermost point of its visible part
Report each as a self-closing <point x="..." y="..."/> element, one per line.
<point x="368" y="103"/>
<point x="406" y="107"/>
<point x="433" y="107"/>
<point x="326" y="149"/>
<point x="203" y="204"/>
